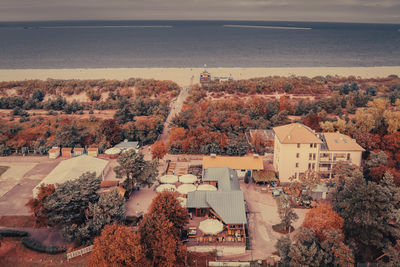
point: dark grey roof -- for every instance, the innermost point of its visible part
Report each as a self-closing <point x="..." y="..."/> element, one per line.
<point x="229" y="205"/>
<point x="197" y="199"/>
<point x="227" y="178"/>
<point x="127" y="144"/>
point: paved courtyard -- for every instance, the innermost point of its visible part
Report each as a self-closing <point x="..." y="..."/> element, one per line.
<point x="17" y="182"/>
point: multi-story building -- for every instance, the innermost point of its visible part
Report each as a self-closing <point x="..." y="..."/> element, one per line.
<point x="297" y="149"/>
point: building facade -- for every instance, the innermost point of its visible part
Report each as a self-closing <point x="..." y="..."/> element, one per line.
<point x="298" y="149"/>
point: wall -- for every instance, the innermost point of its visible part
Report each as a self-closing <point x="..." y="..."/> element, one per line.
<point x="221" y="250"/>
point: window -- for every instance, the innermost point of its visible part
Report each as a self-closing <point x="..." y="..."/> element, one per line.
<point x="298" y="145"/>
<point x="297" y="164"/>
<point x="309" y="165"/>
<point x="313" y="156"/>
<point x="313" y="166"/>
<point x="310" y="156"/>
<point x="311" y="145"/>
<point x="297" y="155"/>
<point x="348" y="156"/>
<point x="315" y="145"/>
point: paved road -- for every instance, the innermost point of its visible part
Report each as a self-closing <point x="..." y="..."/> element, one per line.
<point x="175" y="108"/>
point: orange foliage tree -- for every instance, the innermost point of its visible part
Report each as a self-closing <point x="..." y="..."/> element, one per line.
<point x="166" y="203"/>
<point x="158" y="150"/>
<point x="37" y="205"/>
<point x="117" y="245"/>
<point x="322" y="218"/>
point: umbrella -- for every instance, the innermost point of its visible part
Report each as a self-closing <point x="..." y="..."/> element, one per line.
<point x="169" y="179"/>
<point x="165" y="187"/>
<point x="182" y="200"/>
<point x="211" y="226"/>
<point x="206" y="187"/>
<point x="112" y="151"/>
<point x="186" y="188"/>
<point x="188" y="179"/>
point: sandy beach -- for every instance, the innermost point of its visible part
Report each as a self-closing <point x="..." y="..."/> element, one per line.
<point x="187" y="76"/>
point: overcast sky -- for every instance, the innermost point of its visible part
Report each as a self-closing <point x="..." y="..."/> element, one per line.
<point x="382" y="11"/>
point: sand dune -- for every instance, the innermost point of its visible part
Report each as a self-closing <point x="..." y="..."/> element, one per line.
<point x="187" y="76"/>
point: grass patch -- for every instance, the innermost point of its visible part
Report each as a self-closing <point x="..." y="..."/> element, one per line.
<point x="17" y="221"/>
<point x="280" y="228"/>
<point x="3" y="169"/>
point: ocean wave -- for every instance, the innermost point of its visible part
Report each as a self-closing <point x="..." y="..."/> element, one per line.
<point x="267" y="27"/>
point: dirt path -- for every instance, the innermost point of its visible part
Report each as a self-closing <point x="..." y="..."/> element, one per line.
<point x="175" y="108"/>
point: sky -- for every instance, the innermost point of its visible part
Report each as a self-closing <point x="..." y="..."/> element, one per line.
<point x="378" y="11"/>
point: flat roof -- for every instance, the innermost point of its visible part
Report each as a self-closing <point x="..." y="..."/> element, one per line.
<point x="296" y="133"/>
<point x="341" y="142"/>
<point x="236" y="163"/>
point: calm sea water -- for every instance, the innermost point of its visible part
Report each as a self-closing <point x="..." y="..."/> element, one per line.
<point x="194" y="43"/>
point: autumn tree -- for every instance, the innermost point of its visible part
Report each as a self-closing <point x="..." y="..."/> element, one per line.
<point x="321" y="219"/>
<point x="162" y="246"/>
<point x="111" y="131"/>
<point x="117" y="245"/>
<point x="37" y="205"/>
<point x="166" y="203"/>
<point x="135" y="170"/>
<point x="158" y="150"/>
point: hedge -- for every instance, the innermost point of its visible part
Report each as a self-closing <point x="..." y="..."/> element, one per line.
<point x="11" y="233"/>
<point x="39" y="247"/>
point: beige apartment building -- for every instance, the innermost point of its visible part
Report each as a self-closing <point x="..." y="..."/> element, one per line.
<point x="297" y="149"/>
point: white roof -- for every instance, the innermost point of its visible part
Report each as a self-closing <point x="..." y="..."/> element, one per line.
<point x="71" y="169"/>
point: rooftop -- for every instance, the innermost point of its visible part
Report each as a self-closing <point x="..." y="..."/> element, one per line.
<point x="127" y="144"/>
<point x="227" y="178"/>
<point x="236" y="163"/>
<point x="296" y="133"/>
<point x="341" y="142"/>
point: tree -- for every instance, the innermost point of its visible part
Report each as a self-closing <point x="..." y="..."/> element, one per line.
<point x="117" y="245"/>
<point x="109" y="209"/>
<point x="285" y="210"/>
<point x="308" y="250"/>
<point x="70" y="135"/>
<point x="135" y="170"/>
<point x="167" y="204"/>
<point x="111" y="131"/>
<point x="162" y="246"/>
<point x="370" y="212"/>
<point x="37" y="205"/>
<point x="321" y="219"/>
<point x="70" y="201"/>
<point x="158" y="150"/>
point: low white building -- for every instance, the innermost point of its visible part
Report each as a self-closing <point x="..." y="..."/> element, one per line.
<point x="297" y="149"/>
<point x="73" y="168"/>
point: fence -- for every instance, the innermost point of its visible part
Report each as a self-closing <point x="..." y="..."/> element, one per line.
<point x="79" y="252"/>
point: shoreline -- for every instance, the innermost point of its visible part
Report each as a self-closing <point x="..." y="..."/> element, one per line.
<point x="187" y="76"/>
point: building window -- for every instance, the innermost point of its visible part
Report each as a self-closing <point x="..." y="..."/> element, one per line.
<point x="313" y="156"/>
<point x="297" y="164"/>
<point x="315" y="145"/>
<point x="309" y="165"/>
<point x="310" y="156"/>
<point x="297" y="155"/>
<point x="298" y="145"/>
<point x="313" y="166"/>
<point x="310" y="145"/>
<point x="348" y="156"/>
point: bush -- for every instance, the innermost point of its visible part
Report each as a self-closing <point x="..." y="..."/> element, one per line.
<point x="39" y="247"/>
<point x="12" y="233"/>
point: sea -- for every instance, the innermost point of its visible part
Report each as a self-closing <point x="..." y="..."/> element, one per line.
<point x="186" y="44"/>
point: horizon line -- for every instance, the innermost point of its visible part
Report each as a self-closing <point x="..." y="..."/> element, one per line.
<point x="197" y="20"/>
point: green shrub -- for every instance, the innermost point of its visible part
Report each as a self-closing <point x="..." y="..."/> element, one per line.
<point x="39" y="247"/>
<point x="12" y="232"/>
